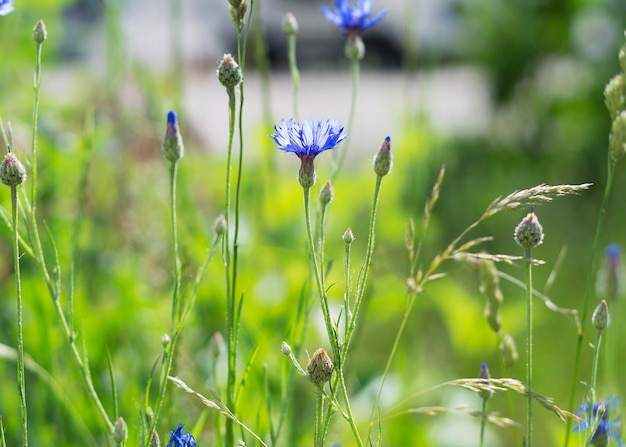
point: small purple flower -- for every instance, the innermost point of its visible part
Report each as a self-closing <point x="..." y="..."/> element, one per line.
<point x="602" y="420"/>
<point x="179" y="439"/>
<point x="353" y="20"/>
<point x="6" y="6"/>
<point x="308" y="139"/>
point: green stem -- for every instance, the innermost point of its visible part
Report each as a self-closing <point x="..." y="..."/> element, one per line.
<point x="35" y="120"/>
<point x="340" y="155"/>
<point x="295" y="73"/>
<point x="483" y="420"/>
<point x="529" y="345"/>
<point x="318" y="437"/>
<point x="594" y="367"/>
<point x="589" y="288"/>
<point x="20" y="320"/>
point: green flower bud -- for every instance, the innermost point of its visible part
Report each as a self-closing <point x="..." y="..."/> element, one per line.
<point x="617" y="137"/>
<point x="12" y="172"/>
<point x="354" y="48"/>
<point x="306" y="175"/>
<point x="285" y="348"/>
<point x="40" y="33"/>
<point x="119" y="431"/>
<point x="290" y="25"/>
<point x="220" y="225"/>
<point x="320" y="367"/>
<point x="154" y="440"/>
<point x="172" y="147"/>
<point x="383" y="161"/>
<point x="601" y="317"/>
<point x="529" y="232"/>
<point x="229" y="73"/>
<point x="165" y="340"/>
<point x="326" y="193"/>
<point x="348" y="236"/>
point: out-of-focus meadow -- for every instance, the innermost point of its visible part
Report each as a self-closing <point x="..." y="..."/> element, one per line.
<point x="506" y="95"/>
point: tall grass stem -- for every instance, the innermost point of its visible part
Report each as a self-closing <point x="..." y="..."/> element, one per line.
<point x="529" y="345"/>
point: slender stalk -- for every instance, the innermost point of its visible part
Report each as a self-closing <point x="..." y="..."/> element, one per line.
<point x="295" y="73"/>
<point x="339" y="157"/>
<point x="318" y="437"/>
<point x="20" y="319"/>
<point x="594" y="367"/>
<point x="589" y="288"/>
<point x="483" y="421"/>
<point x="529" y="345"/>
<point x="35" y="120"/>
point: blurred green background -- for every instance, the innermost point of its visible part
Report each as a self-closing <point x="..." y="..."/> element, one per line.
<point x="545" y="64"/>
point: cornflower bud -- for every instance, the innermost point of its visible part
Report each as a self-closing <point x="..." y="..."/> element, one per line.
<point x="354" y="48"/>
<point x="320" y="367"/>
<point x="172" y="147"/>
<point x="306" y="174"/>
<point x="165" y="340"/>
<point x="348" y="236"/>
<point x="12" y="172"/>
<point x="383" y="160"/>
<point x="326" y="193"/>
<point x="484" y="374"/>
<point x="154" y="440"/>
<point x="601" y="317"/>
<point x="617" y="137"/>
<point x="228" y="72"/>
<point x="220" y="225"/>
<point x="40" y="33"/>
<point x="119" y="431"/>
<point x="290" y="25"/>
<point x="285" y="348"/>
<point x="529" y="232"/>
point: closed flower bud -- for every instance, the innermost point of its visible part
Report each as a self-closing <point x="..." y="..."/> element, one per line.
<point x="509" y="351"/>
<point x="285" y="348"/>
<point x="12" y="172"/>
<point x="600" y="317"/>
<point x="354" y="48"/>
<point x="229" y="73"/>
<point x="617" y="137"/>
<point x="529" y="232"/>
<point x="326" y="193"/>
<point x="383" y="160"/>
<point x="614" y="99"/>
<point x="165" y="340"/>
<point x="484" y="374"/>
<point x="306" y="174"/>
<point x="40" y="33"/>
<point x="290" y="25"/>
<point x="154" y="440"/>
<point x="220" y="225"/>
<point x="172" y="147"/>
<point x="119" y="431"/>
<point x="320" y="367"/>
<point x="348" y="236"/>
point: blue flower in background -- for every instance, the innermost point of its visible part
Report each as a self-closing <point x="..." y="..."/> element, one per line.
<point x="308" y="139"/>
<point x="6" y="6"/>
<point x="601" y="419"/>
<point x="353" y="20"/>
<point x="179" y="439"/>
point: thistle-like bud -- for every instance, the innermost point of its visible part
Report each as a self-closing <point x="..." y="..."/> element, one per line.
<point x="119" y="431"/>
<point x="320" y="367"/>
<point x="220" y="225"/>
<point x="285" y="348"/>
<point x="40" y="33"/>
<point x="617" y="137"/>
<point x="614" y="94"/>
<point x="290" y="25"/>
<point x="307" y="175"/>
<point x="490" y="288"/>
<point x="529" y="232"/>
<point x="12" y="172"/>
<point x="484" y="374"/>
<point x="601" y="318"/>
<point x="383" y="161"/>
<point x="165" y="340"/>
<point x="228" y="72"/>
<point x="326" y="193"/>
<point x="238" y="9"/>
<point x="509" y="351"/>
<point x="354" y="48"/>
<point x="348" y="236"/>
<point x="154" y="440"/>
<point x="172" y="147"/>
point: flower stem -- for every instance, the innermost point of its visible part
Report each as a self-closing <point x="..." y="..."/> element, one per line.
<point x="340" y="156"/>
<point x="295" y="73"/>
<point x="20" y="331"/>
<point x="35" y="120"/>
<point x="483" y="421"/>
<point x="594" y="367"/>
<point x="529" y="345"/>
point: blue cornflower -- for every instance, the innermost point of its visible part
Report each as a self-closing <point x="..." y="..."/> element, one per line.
<point x="353" y="20"/>
<point x="179" y="439"/>
<point x="6" y="6"/>
<point x="307" y="140"/>
<point x="601" y="421"/>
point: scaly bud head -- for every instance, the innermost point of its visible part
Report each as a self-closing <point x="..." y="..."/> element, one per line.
<point x="484" y="374"/>
<point x="40" y="33"/>
<point x="601" y="317"/>
<point x="326" y="193"/>
<point x="12" y="172"/>
<point x="285" y="348"/>
<point x="383" y="161"/>
<point x="228" y="72"/>
<point x="220" y="225"/>
<point x="529" y="232"/>
<point x="306" y="175"/>
<point x="354" y="48"/>
<point x="154" y="440"/>
<point x="348" y="236"/>
<point x="172" y="147"/>
<point x="290" y="25"/>
<point x="320" y="367"/>
<point x="119" y="431"/>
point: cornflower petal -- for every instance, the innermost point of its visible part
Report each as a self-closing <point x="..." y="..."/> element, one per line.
<point x="6" y="6"/>
<point x="178" y="438"/>
<point x="352" y="19"/>
<point x="309" y="138"/>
